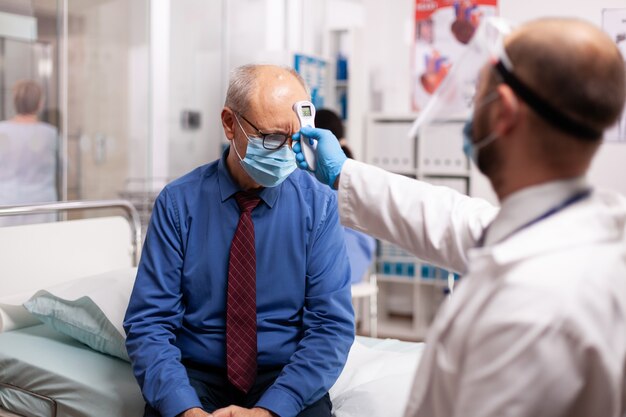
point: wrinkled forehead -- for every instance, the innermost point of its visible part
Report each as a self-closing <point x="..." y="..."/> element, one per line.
<point x="273" y="99"/>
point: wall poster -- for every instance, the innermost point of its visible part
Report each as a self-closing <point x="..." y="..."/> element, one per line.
<point x="442" y="29"/>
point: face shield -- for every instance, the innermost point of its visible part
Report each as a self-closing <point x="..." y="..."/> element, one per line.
<point x="454" y="102"/>
<point x="454" y="99"/>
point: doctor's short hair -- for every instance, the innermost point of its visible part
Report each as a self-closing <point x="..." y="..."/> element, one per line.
<point x="243" y="81"/>
<point x="587" y="85"/>
<point x="328" y="119"/>
<point x="27" y="97"/>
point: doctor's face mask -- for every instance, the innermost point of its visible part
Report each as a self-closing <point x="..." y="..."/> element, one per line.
<point x="476" y="133"/>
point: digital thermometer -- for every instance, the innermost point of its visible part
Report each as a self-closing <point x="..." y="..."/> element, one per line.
<point x="306" y="113"/>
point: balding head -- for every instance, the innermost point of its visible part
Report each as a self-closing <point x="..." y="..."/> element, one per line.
<point x="250" y="84"/>
<point x="564" y="87"/>
<point x="573" y="66"/>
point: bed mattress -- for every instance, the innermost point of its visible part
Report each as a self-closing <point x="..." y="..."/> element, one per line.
<point x="45" y="373"/>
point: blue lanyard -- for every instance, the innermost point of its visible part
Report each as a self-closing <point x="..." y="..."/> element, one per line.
<point x="581" y="195"/>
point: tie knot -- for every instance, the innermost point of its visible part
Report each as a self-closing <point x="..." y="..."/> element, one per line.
<point x="247" y="201"/>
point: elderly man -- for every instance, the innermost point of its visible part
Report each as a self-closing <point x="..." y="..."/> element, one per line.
<point x="261" y="326"/>
<point x="537" y="326"/>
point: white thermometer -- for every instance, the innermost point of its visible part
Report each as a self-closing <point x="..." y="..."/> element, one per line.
<point x="306" y="113"/>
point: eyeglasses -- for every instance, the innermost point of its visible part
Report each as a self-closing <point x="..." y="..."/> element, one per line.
<point x="271" y="141"/>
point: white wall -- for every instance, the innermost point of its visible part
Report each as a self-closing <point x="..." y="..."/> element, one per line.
<point x="194" y="83"/>
<point x="389" y="27"/>
<point x="160" y="25"/>
<point x="139" y="92"/>
<point x="388" y="40"/>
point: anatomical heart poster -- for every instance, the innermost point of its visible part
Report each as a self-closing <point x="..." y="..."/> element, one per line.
<point x="443" y="28"/>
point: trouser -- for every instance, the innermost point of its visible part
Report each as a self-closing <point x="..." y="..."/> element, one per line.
<point x="215" y="391"/>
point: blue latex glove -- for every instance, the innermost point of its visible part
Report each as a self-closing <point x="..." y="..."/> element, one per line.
<point x="330" y="157"/>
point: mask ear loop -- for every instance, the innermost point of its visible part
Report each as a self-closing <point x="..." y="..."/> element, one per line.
<point x="491" y="97"/>
<point x="245" y="134"/>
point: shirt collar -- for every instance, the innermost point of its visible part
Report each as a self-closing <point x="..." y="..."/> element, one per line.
<point x="228" y="187"/>
<point x="527" y="204"/>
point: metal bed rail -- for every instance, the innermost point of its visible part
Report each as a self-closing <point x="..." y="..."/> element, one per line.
<point x="132" y="216"/>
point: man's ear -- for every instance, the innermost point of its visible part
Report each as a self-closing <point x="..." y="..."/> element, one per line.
<point x="507" y="115"/>
<point x="228" y="123"/>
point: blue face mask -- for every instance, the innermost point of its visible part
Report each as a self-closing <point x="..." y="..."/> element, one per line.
<point x="468" y="144"/>
<point x="268" y="168"/>
<point x="470" y="149"/>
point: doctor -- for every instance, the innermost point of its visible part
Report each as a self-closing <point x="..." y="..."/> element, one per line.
<point x="537" y="326"/>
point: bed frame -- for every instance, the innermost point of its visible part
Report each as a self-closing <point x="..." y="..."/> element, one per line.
<point x="59" y="247"/>
<point x="45" y="254"/>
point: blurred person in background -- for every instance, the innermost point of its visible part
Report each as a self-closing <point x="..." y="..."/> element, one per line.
<point x="28" y="155"/>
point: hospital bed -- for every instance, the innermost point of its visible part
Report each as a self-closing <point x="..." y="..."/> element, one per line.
<point x="45" y="372"/>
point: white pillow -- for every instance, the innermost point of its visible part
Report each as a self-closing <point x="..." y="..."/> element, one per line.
<point x="89" y="309"/>
<point x="374" y="382"/>
<point x="13" y="315"/>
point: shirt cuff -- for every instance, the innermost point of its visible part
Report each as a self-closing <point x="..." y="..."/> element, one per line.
<point x="279" y="402"/>
<point x="178" y="400"/>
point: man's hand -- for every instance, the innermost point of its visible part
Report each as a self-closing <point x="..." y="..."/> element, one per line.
<point x="234" y="411"/>
<point x="195" y="412"/>
<point x="330" y="157"/>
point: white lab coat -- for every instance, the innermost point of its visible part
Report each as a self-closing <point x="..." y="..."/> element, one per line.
<point x="537" y="326"/>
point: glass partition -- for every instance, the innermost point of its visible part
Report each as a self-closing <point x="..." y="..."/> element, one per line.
<point x="89" y="62"/>
<point x="131" y="89"/>
<point x="106" y="77"/>
<point x="30" y="145"/>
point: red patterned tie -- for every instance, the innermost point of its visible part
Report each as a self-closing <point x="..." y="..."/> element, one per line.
<point x="241" y="340"/>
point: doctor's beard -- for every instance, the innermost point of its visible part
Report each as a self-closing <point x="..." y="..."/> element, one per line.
<point x="489" y="157"/>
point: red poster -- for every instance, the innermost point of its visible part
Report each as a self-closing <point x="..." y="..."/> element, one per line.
<point x="442" y="30"/>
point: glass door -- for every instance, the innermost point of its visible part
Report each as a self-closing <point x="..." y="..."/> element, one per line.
<point x="105" y="50"/>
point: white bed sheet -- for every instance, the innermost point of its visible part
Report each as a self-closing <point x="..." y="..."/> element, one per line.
<point x="377" y="378"/>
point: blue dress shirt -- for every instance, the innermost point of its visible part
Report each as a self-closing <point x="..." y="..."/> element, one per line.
<point x="177" y="309"/>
